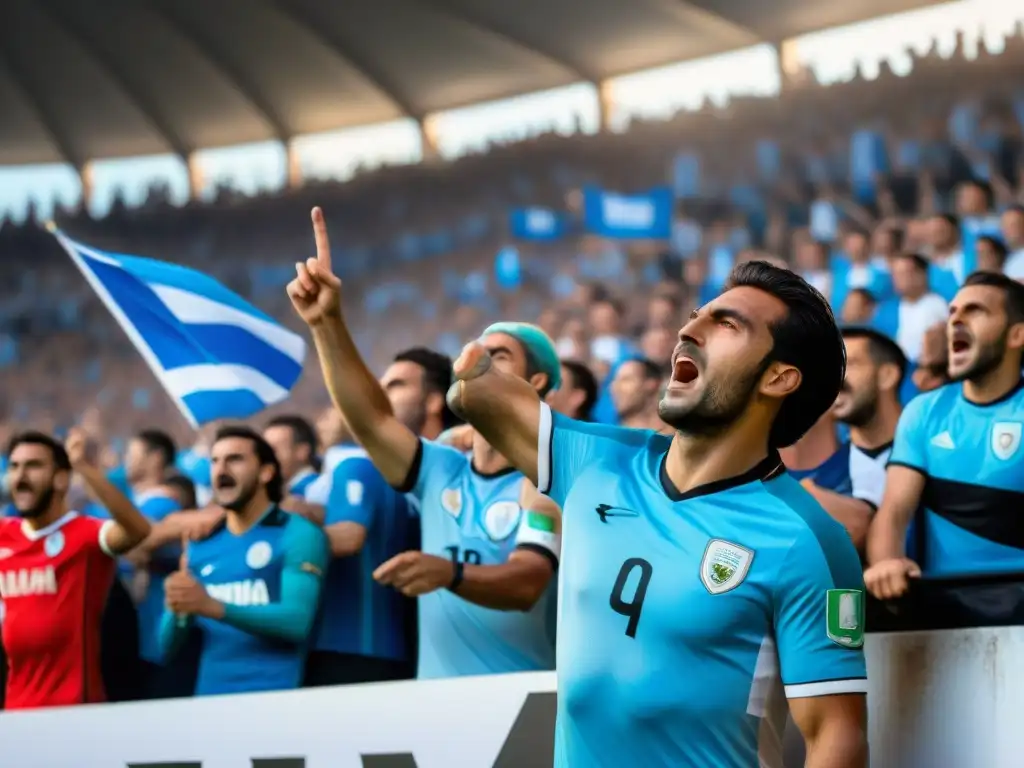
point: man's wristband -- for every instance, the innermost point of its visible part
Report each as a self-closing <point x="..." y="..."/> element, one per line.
<point x="458" y="569"/>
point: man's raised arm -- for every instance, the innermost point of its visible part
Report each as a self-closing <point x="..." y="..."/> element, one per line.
<point x="316" y="295"/>
<point x="503" y="408"/>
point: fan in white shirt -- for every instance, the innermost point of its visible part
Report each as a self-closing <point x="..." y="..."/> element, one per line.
<point x="919" y="309"/>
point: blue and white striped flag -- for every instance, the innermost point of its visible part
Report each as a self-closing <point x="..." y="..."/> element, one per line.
<point x="217" y="356"/>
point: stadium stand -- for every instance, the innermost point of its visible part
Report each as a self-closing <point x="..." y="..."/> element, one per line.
<point x="883" y="193"/>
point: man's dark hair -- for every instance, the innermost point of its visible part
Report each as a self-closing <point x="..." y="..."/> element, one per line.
<point x="806" y="338"/>
<point x="1013" y="292"/>
<point x="160" y="442"/>
<point x="986" y="190"/>
<point x="997" y="245"/>
<point x="883" y="350"/>
<point x="34" y="437"/>
<point x="302" y="433"/>
<point x="264" y="453"/>
<point x="950" y="218"/>
<point x="868" y="295"/>
<point x="919" y="261"/>
<point x="651" y="370"/>
<point x="582" y="378"/>
<point x="437" y="377"/>
<point x="185" y="487"/>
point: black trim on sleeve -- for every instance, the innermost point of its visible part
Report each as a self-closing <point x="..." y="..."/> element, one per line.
<point x="908" y="466"/>
<point x="413" y="474"/>
<point x="874" y="507"/>
<point x="541" y="551"/>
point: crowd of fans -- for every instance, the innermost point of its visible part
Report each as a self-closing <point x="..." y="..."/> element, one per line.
<point x="895" y="259"/>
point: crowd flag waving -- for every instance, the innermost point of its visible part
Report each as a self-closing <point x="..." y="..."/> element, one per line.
<point x="216" y="355"/>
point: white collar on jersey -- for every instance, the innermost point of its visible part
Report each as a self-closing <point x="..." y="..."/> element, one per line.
<point x="32" y="534"/>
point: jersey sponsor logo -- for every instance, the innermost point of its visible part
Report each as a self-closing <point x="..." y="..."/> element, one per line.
<point x="724" y="566"/>
<point x="501" y="518"/>
<point x="54" y="544"/>
<point x="26" y="582"/>
<point x="1005" y="439"/>
<point x="206" y="570"/>
<point x="354" y="493"/>
<point x="944" y="440"/>
<point x="451" y="501"/>
<point x="604" y="511"/>
<point x="844" y="617"/>
<point x="247" y="592"/>
<point x="259" y="555"/>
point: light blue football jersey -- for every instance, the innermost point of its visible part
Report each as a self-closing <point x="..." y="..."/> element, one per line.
<point x="973" y="463"/>
<point x="474" y="518"/>
<point x="686" y="621"/>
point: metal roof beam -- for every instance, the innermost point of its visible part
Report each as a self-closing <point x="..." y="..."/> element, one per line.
<point x="136" y="95"/>
<point x="194" y="36"/>
<point x="685" y="10"/>
<point x="344" y="50"/>
<point x="496" y="30"/>
<point x="47" y="119"/>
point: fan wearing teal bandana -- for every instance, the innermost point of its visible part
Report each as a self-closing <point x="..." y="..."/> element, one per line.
<point x="490" y="543"/>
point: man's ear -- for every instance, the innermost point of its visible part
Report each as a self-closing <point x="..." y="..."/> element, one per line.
<point x="539" y="381"/>
<point x="780" y="380"/>
<point x="1015" y="338"/>
<point x="434" y="404"/>
<point x="888" y="376"/>
<point x="266" y="473"/>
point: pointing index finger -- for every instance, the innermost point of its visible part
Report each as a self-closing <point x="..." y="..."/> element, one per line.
<point x="323" y="244"/>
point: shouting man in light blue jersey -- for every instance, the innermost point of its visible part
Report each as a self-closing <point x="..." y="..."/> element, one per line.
<point x="490" y="542"/>
<point x="701" y="587"/>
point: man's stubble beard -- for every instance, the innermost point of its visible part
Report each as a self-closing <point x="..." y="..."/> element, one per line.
<point x="40" y="507"/>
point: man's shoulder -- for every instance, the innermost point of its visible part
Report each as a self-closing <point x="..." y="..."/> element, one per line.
<point x="792" y="514"/>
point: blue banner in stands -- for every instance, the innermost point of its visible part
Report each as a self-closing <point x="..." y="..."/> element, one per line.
<point x="538" y="224"/>
<point x="686" y="175"/>
<point x="644" y="216"/>
<point x="508" y="272"/>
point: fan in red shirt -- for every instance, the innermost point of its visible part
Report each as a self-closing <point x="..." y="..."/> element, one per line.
<point x="56" y="568"/>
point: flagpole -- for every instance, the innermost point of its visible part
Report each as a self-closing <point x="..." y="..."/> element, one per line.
<point x="71" y="248"/>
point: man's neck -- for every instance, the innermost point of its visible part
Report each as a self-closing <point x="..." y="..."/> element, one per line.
<point x="239" y="522"/>
<point x="486" y="460"/>
<point x="995" y="384"/>
<point x="56" y="511"/>
<point x="881" y="429"/>
<point x="642" y="419"/>
<point x="432" y="429"/>
<point x="913" y="298"/>
<point x="813" y="449"/>
<point x="696" y="461"/>
<point x="145" y="485"/>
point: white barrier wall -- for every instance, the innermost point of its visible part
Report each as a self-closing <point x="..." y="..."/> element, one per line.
<point x="948" y="699"/>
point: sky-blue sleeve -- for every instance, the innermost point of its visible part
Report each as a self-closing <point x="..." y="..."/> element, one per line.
<point x="819" y="616"/>
<point x="171" y="634"/>
<point x="291" y="618"/>
<point x="156" y="508"/>
<point x="910" y="447"/>
<point x="357" y="491"/>
<point x="565" y="446"/>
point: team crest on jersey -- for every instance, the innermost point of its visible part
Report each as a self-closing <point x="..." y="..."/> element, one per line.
<point x="1005" y="438"/>
<point x="259" y="555"/>
<point x="54" y="544"/>
<point x="501" y="519"/>
<point x="724" y="566"/>
<point x="451" y="501"/>
<point x="354" y="493"/>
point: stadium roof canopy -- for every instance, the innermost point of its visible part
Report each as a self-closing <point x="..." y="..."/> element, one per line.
<point x="90" y="79"/>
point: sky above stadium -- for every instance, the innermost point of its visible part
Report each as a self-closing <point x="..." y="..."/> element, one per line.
<point x="833" y="55"/>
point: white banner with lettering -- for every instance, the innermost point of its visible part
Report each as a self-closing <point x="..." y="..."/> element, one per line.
<point x="948" y="699"/>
